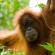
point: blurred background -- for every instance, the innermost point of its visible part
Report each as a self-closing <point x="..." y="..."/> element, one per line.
<point x="9" y="7"/>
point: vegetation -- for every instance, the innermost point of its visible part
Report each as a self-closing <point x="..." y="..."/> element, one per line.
<point x="7" y="11"/>
<point x="9" y="52"/>
<point x="49" y="47"/>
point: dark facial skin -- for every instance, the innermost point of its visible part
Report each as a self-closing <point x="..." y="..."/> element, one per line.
<point x="28" y="27"/>
<point x="31" y="34"/>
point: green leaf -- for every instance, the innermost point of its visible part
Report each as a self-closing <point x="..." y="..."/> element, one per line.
<point x="41" y="5"/>
<point x="49" y="47"/>
<point x="53" y="53"/>
<point x="54" y="46"/>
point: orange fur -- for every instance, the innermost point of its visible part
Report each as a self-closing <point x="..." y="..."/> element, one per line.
<point x="15" y="39"/>
<point x="49" y="15"/>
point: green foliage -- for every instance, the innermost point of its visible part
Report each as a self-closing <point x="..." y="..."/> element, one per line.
<point x="53" y="53"/>
<point x="9" y="52"/>
<point x="41" y="5"/>
<point x="49" y="47"/>
<point x="7" y="10"/>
